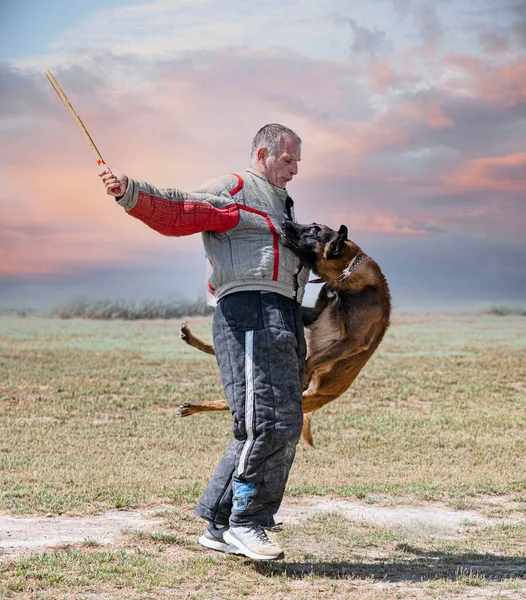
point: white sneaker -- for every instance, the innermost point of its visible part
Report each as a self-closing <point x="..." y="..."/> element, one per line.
<point x="253" y="542"/>
<point x="213" y="538"/>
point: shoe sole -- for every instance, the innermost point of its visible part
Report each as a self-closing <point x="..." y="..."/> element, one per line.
<point x="219" y="546"/>
<point x="246" y="551"/>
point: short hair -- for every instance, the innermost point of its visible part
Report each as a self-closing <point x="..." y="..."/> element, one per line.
<point x="269" y="137"/>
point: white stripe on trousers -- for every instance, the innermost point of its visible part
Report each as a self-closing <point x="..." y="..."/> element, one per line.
<point x="250" y="399"/>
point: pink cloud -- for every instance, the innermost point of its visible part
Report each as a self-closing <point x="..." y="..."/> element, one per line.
<point x="387" y="224"/>
<point x="60" y="217"/>
<point x="391" y="224"/>
<point x="429" y="111"/>
<point x="383" y="76"/>
<point x="482" y="211"/>
<point x="501" y="173"/>
<point x="503" y="84"/>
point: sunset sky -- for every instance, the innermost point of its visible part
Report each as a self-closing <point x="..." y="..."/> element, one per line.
<point x="412" y="115"/>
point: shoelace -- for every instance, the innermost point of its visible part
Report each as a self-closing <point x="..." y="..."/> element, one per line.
<point x="262" y="536"/>
<point x="274" y="528"/>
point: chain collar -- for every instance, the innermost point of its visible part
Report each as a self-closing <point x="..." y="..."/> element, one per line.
<point x="355" y="262"/>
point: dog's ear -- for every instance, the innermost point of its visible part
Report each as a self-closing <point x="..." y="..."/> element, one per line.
<point x="337" y="243"/>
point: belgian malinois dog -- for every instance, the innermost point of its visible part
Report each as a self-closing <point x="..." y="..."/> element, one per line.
<point x="344" y="327"/>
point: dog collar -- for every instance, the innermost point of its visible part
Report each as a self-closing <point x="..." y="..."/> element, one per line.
<point x="355" y="262"/>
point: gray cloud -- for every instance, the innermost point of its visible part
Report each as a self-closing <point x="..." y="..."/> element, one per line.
<point x="493" y="41"/>
<point x="402" y="7"/>
<point x="480" y="128"/>
<point x="496" y="38"/>
<point x="519" y="32"/>
<point x="22" y="93"/>
<point x="368" y="41"/>
<point x="429" y="25"/>
<point x="452" y="273"/>
<point x="518" y="8"/>
<point x="324" y="91"/>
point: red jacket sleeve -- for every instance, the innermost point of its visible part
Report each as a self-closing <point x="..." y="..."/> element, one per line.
<point x="183" y="217"/>
<point x="177" y="213"/>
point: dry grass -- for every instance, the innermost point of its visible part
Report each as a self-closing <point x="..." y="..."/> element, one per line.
<point x="88" y="421"/>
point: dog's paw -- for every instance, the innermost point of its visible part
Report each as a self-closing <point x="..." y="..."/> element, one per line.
<point x="184" y="332"/>
<point x="185" y="410"/>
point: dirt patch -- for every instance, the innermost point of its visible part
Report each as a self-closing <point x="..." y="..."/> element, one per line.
<point x="21" y="534"/>
<point x="434" y="519"/>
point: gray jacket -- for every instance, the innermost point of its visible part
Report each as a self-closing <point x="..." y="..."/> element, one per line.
<point x="240" y="220"/>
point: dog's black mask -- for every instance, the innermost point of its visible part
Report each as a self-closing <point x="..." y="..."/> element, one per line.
<point x="313" y="242"/>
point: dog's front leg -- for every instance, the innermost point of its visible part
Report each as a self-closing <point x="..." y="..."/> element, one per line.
<point x="310" y="314"/>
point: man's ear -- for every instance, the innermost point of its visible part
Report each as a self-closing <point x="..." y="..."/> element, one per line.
<point x="262" y="153"/>
<point x="337" y="244"/>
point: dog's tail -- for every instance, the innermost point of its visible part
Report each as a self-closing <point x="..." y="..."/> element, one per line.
<point x="306" y="432"/>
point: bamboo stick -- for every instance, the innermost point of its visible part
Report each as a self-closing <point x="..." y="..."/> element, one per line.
<point x="61" y="94"/>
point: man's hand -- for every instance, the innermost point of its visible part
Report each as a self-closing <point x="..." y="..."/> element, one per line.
<point x="116" y="183"/>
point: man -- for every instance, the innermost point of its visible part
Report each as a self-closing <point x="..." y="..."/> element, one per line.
<point x="257" y="330"/>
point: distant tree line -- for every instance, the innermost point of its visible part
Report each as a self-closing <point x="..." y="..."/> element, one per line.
<point x="504" y="311"/>
<point x="130" y="310"/>
<point x="165" y="308"/>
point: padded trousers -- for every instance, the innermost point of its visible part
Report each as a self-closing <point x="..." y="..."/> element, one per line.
<point x="260" y="348"/>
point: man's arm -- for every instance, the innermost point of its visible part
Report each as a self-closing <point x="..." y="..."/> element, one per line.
<point x="172" y="211"/>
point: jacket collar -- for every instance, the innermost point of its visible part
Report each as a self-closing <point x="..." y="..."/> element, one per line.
<point x="282" y="193"/>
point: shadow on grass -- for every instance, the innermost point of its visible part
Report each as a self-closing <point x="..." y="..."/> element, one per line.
<point x="421" y="566"/>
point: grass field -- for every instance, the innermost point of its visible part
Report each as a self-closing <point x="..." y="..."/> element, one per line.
<point x="437" y="420"/>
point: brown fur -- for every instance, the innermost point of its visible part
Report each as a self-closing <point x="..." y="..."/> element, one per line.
<point x="345" y="325"/>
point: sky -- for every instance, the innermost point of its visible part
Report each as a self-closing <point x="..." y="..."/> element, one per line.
<point x="412" y="115"/>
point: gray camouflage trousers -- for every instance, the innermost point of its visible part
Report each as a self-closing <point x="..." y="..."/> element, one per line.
<point x="260" y="349"/>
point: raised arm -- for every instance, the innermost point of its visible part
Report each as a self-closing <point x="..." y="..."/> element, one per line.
<point x="172" y="211"/>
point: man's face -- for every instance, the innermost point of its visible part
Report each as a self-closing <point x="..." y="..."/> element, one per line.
<point x="281" y="168"/>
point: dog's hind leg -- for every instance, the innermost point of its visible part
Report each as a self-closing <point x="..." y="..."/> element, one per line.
<point x="186" y="409"/>
<point x="310" y="404"/>
<point x="312" y="400"/>
<point x="188" y="337"/>
<point x="306" y="432"/>
<point x="334" y="353"/>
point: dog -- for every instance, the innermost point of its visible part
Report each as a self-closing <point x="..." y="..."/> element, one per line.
<point x="344" y="327"/>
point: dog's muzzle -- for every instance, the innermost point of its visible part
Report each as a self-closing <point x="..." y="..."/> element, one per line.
<point x="289" y="236"/>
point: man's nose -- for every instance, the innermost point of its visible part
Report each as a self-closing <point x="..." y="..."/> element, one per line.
<point x="293" y="168"/>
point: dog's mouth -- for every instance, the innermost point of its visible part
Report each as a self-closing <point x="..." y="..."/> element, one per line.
<point x="289" y="235"/>
<point x="293" y="238"/>
<point x="289" y="243"/>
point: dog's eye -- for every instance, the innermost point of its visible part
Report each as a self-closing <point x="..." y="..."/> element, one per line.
<point x="312" y="231"/>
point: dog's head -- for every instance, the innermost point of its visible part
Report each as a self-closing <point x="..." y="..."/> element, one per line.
<point x="320" y="248"/>
<point x="312" y="243"/>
